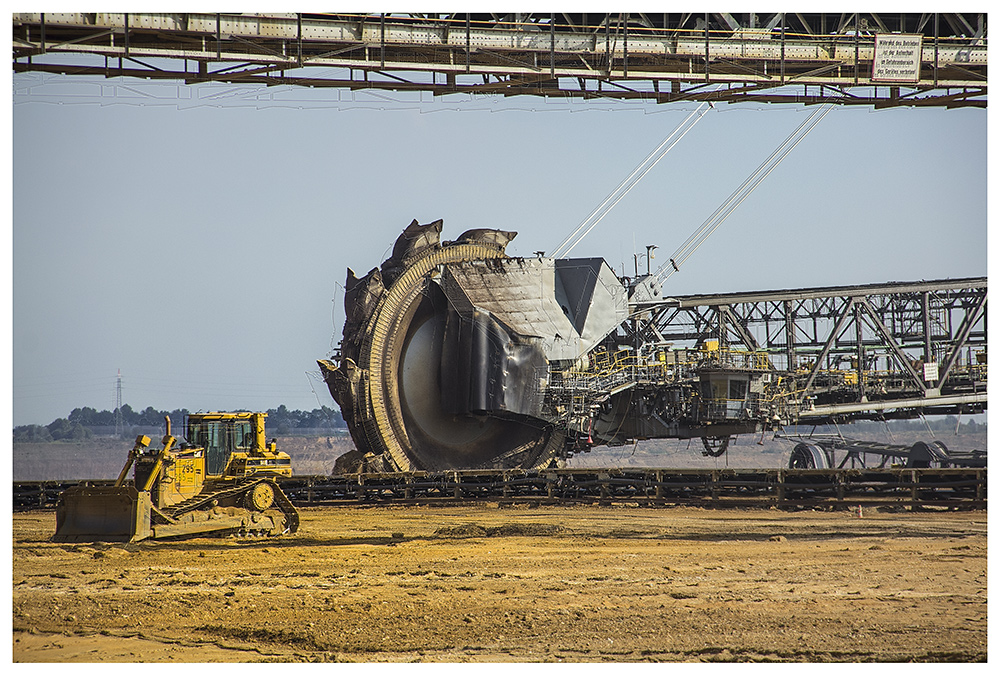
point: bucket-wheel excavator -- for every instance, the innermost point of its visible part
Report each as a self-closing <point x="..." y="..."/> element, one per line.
<point x="457" y="356"/>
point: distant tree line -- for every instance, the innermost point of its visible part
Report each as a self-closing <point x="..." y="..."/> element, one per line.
<point x="83" y="423"/>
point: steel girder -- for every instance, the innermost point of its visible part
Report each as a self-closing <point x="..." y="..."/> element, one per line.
<point x="882" y="335"/>
<point x="800" y="58"/>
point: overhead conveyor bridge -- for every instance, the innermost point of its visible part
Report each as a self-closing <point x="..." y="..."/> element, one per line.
<point x="850" y="59"/>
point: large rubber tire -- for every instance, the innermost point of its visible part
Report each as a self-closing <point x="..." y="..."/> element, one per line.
<point x="808" y="456"/>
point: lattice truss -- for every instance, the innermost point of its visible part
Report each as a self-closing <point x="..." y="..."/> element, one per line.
<point x="767" y="57"/>
<point x="835" y="346"/>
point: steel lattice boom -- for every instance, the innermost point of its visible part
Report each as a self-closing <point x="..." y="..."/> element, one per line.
<point x="808" y="355"/>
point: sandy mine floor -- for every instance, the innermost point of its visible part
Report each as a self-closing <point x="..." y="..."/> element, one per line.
<point x="489" y="583"/>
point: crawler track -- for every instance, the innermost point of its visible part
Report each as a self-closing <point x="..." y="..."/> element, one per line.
<point x="715" y="488"/>
<point x="234" y="493"/>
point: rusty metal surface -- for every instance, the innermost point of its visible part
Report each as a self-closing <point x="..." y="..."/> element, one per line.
<point x="570" y="304"/>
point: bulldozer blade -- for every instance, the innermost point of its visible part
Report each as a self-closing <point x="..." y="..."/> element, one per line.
<point x="104" y="514"/>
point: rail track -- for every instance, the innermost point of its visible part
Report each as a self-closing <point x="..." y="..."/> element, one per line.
<point x="954" y="488"/>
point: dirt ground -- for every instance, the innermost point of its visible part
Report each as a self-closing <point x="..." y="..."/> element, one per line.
<point x="499" y="583"/>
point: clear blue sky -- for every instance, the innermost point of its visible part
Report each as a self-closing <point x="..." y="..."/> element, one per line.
<point x="197" y="237"/>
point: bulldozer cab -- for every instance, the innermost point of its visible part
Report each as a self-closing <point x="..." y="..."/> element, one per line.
<point x="235" y="444"/>
<point x="221" y="435"/>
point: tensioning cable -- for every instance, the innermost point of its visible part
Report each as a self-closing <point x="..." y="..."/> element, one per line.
<point x="595" y="217"/>
<point x="705" y="230"/>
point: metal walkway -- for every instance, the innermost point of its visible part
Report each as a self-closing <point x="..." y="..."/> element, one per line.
<point x="851" y="59"/>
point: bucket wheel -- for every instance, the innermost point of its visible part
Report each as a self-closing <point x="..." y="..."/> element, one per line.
<point x="388" y="380"/>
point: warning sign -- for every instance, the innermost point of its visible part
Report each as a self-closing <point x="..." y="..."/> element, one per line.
<point x="897" y="58"/>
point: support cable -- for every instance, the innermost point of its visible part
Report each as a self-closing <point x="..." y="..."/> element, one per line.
<point x="698" y="237"/>
<point x="595" y="217"/>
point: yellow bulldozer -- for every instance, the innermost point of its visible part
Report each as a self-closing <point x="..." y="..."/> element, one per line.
<point x="223" y="479"/>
